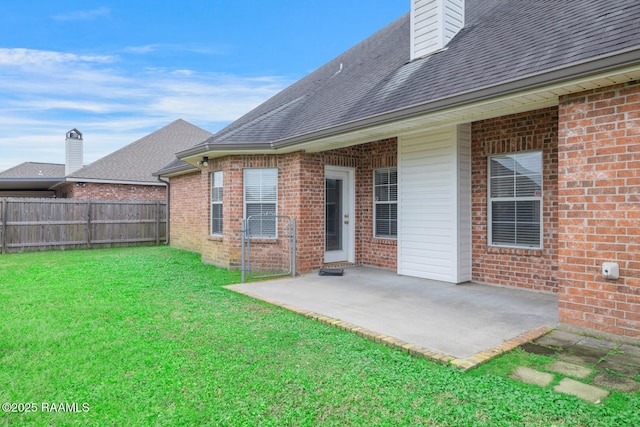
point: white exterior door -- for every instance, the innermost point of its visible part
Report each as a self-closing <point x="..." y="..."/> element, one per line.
<point x="339" y="221"/>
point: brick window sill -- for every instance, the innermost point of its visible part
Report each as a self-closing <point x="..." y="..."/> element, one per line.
<point x="514" y="251"/>
<point x="385" y="240"/>
<point x="215" y="238"/>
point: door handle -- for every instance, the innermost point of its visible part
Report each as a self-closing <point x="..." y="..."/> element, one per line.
<point x="346" y="222"/>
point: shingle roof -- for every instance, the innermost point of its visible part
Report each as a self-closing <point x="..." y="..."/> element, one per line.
<point x="139" y="160"/>
<point x="503" y="41"/>
<point x="177" y="166"/>
<point x="35" y="170"/>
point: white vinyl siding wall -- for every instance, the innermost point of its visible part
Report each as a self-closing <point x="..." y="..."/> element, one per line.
<point x="433" y="24"/>
<point x="434" y="231"/>
<point x="464" y="203"/>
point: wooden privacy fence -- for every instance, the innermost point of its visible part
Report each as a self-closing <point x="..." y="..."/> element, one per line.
<point x="46" y="224"/>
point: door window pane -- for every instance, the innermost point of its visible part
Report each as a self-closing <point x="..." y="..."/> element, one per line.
<point x="333" y="214"/>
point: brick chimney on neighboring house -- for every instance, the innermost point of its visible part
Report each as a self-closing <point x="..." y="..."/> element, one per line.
<point x="433" y="24"/>
<point x="73" y="152"/>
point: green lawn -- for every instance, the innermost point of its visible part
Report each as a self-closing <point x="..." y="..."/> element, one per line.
<point x="148" y="336"/>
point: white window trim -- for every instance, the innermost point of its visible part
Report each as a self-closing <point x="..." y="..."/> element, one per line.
<point x="275" y="202"/>
<point x="217" y="202"/>
<point x="498" y="199"/>
<point x="375" y="203"/>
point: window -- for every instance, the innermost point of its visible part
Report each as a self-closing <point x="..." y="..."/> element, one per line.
<point x="515" y="200"/>
<point x="385" y="191"/>
<point x="216" y="202"/>
<point x="260" y="201"/>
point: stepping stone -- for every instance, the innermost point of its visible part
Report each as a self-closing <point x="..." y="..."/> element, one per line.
<point x="630" y="350"/>
<point x="597" y="343"/>
<point x="538" y="349"/>
<point x="626" y="355"/>
<point x="531" y="376"/>
<point x="581" y="390"/>
<point x="581" y="355"/>
<point x="619" y="367"/>
<point x="614" y="382"/>
<point x="558" y="338"/>
<point x="570" y="369"/>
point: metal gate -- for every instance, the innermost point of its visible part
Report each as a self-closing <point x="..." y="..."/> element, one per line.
<point x="268" y="246"/>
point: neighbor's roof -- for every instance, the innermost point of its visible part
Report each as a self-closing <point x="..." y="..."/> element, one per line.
<point x="505" y="43"/>
<point x="34" y="170"/>
<point x="139" y="160"/>
<point x="31" y="176"/>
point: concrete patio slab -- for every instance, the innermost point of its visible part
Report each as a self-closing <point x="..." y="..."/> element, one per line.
<point x="468" y="322"/>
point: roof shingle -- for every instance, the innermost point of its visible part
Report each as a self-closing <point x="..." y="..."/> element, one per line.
<point x="502" y="41"/>
<point x="34" y="170"/>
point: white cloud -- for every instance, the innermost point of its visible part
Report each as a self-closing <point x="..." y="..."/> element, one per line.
<point x="142" y="49"/>
<point x="43" y="96"/>
<point x="54" y="104"/>
<point x="31" y="57"/>
<point x="83" y="15"/>
<point x="182" y="72"/>
<point x="168" y="47"/>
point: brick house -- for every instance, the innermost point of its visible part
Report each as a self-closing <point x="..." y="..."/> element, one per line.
<point x="493" y="141"/>
<point x="125" y="174"/>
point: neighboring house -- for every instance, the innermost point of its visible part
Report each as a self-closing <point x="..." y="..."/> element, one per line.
<point x="496" y="141"/>
<point x="31" y="179"/>
<point x="125" y="174"/>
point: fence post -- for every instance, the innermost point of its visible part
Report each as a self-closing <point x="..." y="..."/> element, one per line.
<point x="4" y="226"/>
<point x="88" y="231"/>
<point x="157" y="223"/>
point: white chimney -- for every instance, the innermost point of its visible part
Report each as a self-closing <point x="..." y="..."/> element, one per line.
<point x="73" y="152"/>
<point x="433" y="24"/>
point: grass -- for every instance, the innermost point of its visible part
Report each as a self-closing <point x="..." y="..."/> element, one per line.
<point x="148" y="336"/>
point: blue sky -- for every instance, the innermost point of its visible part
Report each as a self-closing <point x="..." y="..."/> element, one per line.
<point x="120" y="69"/>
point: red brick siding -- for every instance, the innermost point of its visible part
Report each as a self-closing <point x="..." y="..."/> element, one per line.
<point x="188" y="211"/>
<point x="523" y="268"/>
<point x="233" y="206"/>
<point x="364" y="159"/>
<point x="102" y="191"/>
<point x="306" y="200"/>
<point x="374" y="251"/>
<point x="300" y="195"/>
<point x="599" y="203"/>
